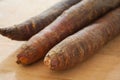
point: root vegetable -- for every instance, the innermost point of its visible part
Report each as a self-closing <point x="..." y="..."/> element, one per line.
<point x="27" y="29"/>
<point x="84" y="43"/>
<point x="68" y="23"/>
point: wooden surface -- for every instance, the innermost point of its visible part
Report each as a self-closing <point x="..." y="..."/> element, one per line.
<point x="104" y="65"/>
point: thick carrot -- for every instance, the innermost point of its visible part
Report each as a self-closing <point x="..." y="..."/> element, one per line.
<point x="84" y="43"/>
<point x="32" y="26"/>
<point x="68" y="23"/>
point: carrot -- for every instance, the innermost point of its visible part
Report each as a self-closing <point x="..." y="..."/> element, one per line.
<point x="27" y="29"/>
<point x="68" y="23"/>
<point x="84" y="43"/>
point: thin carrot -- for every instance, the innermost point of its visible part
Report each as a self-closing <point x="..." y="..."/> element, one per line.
<point x="27" y="29"/>
<point x="68" y="23"/>
<point x="76" y="48"/>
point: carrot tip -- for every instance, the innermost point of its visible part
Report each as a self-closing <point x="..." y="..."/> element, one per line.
<point x="18" y="62"/>
<point x="52" y="64"/>
<point x="47" y="61"/>
<point x="3" y="31"/>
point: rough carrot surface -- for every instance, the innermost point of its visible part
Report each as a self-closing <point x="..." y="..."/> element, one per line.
<point x="27" y="29"/>
<point x="84" y="43"/>
<point x="68" y="23"/>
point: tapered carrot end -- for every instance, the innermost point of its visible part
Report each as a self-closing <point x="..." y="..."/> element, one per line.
<point x="47" y="61"/>
<point x="3" y="31"/>
<point x="14" y="34"/>
<point x="10" y="33"/>
<point x="18" y="62"/>
<point x="51" y="63"/>
<point x="6" y="32"/>
<point x="22" y="59"/>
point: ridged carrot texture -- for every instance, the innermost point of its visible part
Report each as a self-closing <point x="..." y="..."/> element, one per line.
<point x="84" y="43"/>
<point x="27" y="29"/>
<point x="68" y="23"/>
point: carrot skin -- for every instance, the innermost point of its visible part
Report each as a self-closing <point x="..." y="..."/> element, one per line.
<point x="68" y="23"/>
<point x="83" y="44"/>
<point x="27" y="29"/>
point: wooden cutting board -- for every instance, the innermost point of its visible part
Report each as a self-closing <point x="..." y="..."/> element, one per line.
<point x="104" y="65"/>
